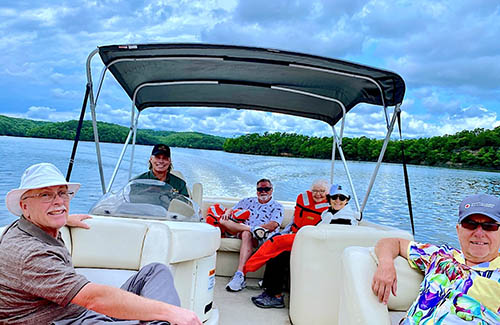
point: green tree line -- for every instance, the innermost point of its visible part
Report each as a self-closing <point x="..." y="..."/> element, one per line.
<point x="478" y="148"/>
<point x="108" y="132"/>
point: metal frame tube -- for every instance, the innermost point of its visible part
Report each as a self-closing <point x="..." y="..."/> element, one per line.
<point x="94" y="119"/>
<point x="332" y="165"/>
<point x="136" y="124"/>
<point x="381" y="155"/>
<point x="117" y="166"/>
<point x="348" y="174"/>
<point x="334" y="143"/>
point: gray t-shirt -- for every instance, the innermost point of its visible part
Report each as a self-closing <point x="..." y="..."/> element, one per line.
<point x="261" y="213"/>
<point x="37" y="281"/>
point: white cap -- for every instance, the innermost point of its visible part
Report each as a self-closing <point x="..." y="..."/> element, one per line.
<point x="337" y="189"/>
<point x="36" y="176"/>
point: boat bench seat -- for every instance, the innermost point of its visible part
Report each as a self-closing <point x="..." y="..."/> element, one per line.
<point x="316" y="275"/>
<point x="229" y="250"/>
<point x="359" y="266"/>
<point x="113" y="249"/>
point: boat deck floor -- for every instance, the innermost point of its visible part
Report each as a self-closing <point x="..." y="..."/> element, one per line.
<point x="238" y="308"/>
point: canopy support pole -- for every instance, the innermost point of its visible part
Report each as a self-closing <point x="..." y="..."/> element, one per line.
<point x="348" y="174"/>
<point x="78" y="130"/>
<point x="381" y="155"/>
<point x="117" y="166"/>
<point x="332" y="165"/>
<point x="94" y="118"/>
<point x="405" y="173"/>
<point x="134" y="131"/>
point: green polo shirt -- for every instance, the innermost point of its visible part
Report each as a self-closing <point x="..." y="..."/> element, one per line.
<point x="176" y="182"/>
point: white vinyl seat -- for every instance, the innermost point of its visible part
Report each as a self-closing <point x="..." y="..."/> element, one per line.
<point x="115" y="248"/>
<point x="358" y="304"/>
<point x="315" y="268"/>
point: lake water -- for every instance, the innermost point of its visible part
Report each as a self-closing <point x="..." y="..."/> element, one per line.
<point x="436" y="192"/>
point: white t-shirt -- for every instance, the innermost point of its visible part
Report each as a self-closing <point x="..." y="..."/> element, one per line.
<point x="261" y="213"/>
<point x="345" y="213"/>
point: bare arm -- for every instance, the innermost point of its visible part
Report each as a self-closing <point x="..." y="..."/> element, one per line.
<point x="76" y="220"/>
<point x="271" y="225"/>
<point x="385" y="279"/>
<point x="121" y="304"/>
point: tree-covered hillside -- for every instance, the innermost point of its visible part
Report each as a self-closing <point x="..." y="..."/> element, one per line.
<point x="108" y="132"/>
<point x="478" y="148"/>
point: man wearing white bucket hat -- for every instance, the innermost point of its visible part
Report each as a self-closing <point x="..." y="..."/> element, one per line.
<point x="38" y="284"/>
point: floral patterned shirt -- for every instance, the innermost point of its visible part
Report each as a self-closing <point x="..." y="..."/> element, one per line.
<point x="452" y="292"/>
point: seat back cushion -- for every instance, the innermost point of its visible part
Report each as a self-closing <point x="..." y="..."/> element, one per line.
<point x="108" y="244"/>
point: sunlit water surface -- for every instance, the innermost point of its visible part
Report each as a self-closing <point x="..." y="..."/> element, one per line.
<point x="436" y="192"/>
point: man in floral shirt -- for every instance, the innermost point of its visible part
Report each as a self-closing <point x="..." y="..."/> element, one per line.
<point x="266" y="216"/>
<point x="459" y="286"/>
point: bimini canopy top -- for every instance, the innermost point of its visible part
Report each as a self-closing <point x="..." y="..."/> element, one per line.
<point x="193" y="75"/>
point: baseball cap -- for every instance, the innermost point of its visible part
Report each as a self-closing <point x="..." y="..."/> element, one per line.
<point x="161" y="149"/>
<point x="485" y="204"/>
<point x="337" y="189"/>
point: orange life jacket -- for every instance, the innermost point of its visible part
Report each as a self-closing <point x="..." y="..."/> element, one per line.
<point x="215" y="211"/>
<point x="307" y="212"/>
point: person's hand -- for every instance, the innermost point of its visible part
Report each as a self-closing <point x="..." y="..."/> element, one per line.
<point x="384" y="281"/>
<point x="184" y="316"/>
<point x="76" y="220"/>
<point x="225" y="216"/>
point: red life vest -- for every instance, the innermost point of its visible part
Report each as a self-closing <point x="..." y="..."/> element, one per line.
<point x="215" y="211"/>
<point x="307" y="212"/>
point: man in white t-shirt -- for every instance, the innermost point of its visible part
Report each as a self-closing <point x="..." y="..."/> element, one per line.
<point x="265" y="219"/>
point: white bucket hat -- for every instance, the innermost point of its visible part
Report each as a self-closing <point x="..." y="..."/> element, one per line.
<point x="36" y="176"/>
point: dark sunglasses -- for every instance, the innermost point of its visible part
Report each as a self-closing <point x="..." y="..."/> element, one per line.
<point x="487" y="226"/>
<point x="339" y="196"/>
<point x="264" y="189"/>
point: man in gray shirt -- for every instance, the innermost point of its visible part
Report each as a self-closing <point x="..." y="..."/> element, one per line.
<point x="39" y="284"/>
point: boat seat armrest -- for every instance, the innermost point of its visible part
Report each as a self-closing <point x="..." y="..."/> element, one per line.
<point x="358" y="304"/>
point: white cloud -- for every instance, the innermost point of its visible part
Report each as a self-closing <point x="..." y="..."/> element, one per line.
<point x="447" y="52"/>
<point x="48" y="114"/>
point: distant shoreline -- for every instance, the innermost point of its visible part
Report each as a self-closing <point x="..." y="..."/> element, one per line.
<point x="478" y="149"/>
<point x="289" y="156"/>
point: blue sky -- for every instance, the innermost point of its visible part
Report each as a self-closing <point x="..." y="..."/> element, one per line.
<point x="448" y="52"/>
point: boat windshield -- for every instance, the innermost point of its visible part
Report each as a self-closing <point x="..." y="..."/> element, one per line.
<point x="150" y="199"/>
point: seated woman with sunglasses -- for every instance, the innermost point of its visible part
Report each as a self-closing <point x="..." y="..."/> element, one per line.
<point x="275" y="252"/>
<point x="339" y="212"/>
<point x="459" y="286"/>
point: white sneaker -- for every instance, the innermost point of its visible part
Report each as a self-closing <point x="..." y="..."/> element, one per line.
<point x="237" y="282"/>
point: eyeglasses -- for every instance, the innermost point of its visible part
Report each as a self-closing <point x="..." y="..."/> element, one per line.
<point x="47" y="197"/>
<point x="487" y="226"/>
<point x="318" y="191"/>
<point x="339" y="196"/>
<point x="264" y="189"/>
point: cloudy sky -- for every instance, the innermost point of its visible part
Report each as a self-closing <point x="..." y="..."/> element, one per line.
<point x="448" y="53"/>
